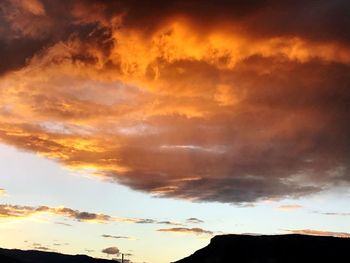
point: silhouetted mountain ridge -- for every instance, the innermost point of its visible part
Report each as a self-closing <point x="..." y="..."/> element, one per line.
<point x="272" y="249"/>
<point x="35" y="256"/>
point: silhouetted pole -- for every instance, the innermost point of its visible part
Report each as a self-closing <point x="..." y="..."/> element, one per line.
<point x="122" y="258"/>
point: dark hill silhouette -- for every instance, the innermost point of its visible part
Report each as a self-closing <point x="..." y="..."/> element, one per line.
<point x="272" y="249"/>
<point x="6" y="259"/>
<point x="34" y="256"/>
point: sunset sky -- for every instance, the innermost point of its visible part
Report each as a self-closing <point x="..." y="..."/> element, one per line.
<point x="148" y="127"/>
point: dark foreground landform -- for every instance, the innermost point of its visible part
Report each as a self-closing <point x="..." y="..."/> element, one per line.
<point x="34" y="256"/>
<point x="272" y="249"/>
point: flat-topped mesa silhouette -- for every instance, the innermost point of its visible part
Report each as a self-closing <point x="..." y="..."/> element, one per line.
<point x="35" y="256"/>
<point x="291" y="248"/>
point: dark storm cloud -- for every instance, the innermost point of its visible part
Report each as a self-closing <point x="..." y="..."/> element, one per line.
<point x="24" y="32"/>
<point x="294" y="125"/>
<point x="253" y="105"/>
<point x="318" y="20"/>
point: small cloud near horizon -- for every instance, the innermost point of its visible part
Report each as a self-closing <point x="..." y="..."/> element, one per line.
<point x="313" y="232"/>
<point x="38" y="246"/>
<point x="185" y="230"/>
<point x="332" y="213"/>
<point x="111" y="251"/>
<point x="115" y="237"/>
<point x="194" y="220"/>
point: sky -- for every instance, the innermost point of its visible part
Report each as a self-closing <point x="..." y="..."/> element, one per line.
<point x="148" y="127"/>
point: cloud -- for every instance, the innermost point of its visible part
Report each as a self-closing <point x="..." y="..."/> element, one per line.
<point x="185" y="230"/>
<point x="252" y="106"/>
<point x="60" y="244"/>
<point x="145" y="221"/>
<point x="34" y="7"/>
<point x="111" y="251"/>
<point x="194" y="220"/>
<point x="11" y="212"/>
<point x="319" y="233"/>
<point x="332" y="213"/>
<point x="116" y="237"/>
<point x="16" y="211"/>
<point x="290" y="207"/>
<point x="38" y="246"/>
<point x="169" y="223"/>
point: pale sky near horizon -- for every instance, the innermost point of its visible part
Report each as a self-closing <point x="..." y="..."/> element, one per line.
<point x="147" y="127"/>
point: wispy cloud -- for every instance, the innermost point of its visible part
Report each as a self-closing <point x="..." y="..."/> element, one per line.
<point x="185" y="230"/>
<point x="60" y="244"/>
<point x="17" y="212"/>
<point x="169" y="223"/>
<point x="319" y="233"/>
<point x="194" y="220"/>
<point x="146" y="221"/>
<point x="116" y="237"/>
<point x="332" y="213"/>
<point x="38" y="246"/>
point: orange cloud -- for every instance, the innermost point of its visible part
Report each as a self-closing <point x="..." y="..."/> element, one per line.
<point x="11" y="212"/>
<point x="319" y="233"/>
<point x="18" y="212"/>
<point x="221" y="111"/>
<point x="32" y="6"/>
